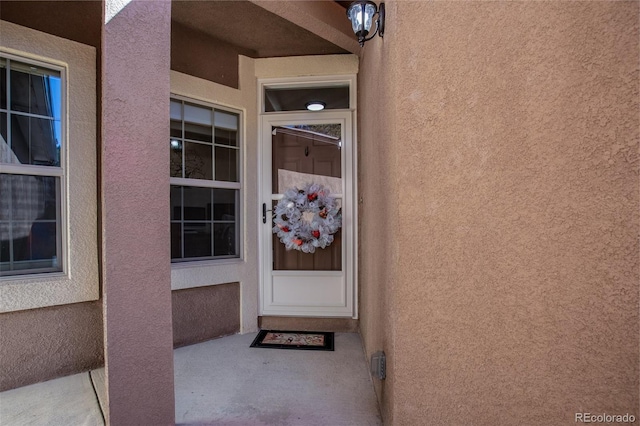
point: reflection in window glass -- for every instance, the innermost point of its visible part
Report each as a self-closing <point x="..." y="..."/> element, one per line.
<point x="29" y="224"/>
<point x="226" y="164"/>
<point x="197" y="161"/>
<point x="205" y="153"/>
<point x="34" y="116"/>
<point x="31" y="134"/>
<point x="195" y="212"/>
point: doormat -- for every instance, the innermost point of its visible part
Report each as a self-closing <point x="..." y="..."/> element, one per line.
<point x="305" y="340"/>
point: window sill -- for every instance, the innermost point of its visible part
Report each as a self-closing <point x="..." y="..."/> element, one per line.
<point x="207" y="272"/>
<point x="22" y="292"/>
<point x="205" y="263"/>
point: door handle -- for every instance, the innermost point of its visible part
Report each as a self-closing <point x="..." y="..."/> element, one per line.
<point x="264" y="212"/>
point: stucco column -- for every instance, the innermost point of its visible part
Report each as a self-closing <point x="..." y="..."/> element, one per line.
<point x="135" y="212"/>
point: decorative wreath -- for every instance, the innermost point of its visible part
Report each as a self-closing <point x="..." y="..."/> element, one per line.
<point x="306" y="219"/>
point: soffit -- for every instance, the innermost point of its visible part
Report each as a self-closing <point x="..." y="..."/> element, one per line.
<point x="255" y="31"/>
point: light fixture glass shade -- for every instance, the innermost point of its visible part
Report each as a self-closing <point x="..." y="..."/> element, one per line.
<point x="316" y="105"/>
<point x="361" y="16"/>
<point x="361" y="13"/>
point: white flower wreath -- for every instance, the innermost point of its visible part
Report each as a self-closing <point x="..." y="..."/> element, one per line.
<point x="306" y="219"/>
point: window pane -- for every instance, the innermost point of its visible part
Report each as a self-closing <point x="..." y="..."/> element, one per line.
<point x="197" y="158"/>
<point x="3" y="83"/>
<point x="20" y="139"/>
<point x="44" y="145"/>
<point x="176" y="202"/>
<point x="197" y="114"/>
<point x="295" y="99"/>
<point x="35" y="90"/>
<point x="19" y="91"/>
<point x="197" y="239"/>
<point x="176" y="129"/>
<point x="197" y="203"/>
<point x="3" y="132"/>
<point x="197" y="132"/>
<point x="34" y="141"/>
<point x="226" y="164"/>
<point x="226" y="137"/>
<point x="226" y="120"/>
<point x="175" y="158"/>
<point x="53" y="85"/>
<point x="29" y="223"/>
<point x="224" y="204"/>
<point x="176" y="240"/>
<point x="224" y="239"/>
<point x="176" y="110"/>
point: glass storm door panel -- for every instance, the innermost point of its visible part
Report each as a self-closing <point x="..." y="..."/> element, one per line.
<point x="299" y="149"/>
<point x="302" y="155"/>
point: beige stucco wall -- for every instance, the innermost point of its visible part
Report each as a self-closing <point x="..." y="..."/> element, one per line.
<point x="79" y="282"/>
<point x="513" y="156"/>
<point x="302" y="66"/>
<point x="377" y="255"/>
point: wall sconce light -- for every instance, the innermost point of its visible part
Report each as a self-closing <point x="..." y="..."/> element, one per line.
<point x="361" y="15"/>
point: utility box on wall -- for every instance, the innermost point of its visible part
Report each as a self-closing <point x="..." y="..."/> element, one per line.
<point x="379" y="365"/>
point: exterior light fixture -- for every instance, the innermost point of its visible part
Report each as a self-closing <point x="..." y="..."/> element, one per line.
<point x="361" y="15"/>
<point x="315" y="105"/>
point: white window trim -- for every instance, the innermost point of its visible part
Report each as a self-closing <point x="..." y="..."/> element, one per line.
<point x="79" y="280"/>
<point x="59" y="171"/>
<point x="216" y="184"/>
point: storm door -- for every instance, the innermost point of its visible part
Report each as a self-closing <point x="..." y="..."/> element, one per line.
<point x="307" y="154"/>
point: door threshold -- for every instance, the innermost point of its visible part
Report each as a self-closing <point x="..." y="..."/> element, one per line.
<point x="339" y="325"/>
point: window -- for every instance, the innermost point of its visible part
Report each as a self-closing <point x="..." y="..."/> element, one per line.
<point x="205" y="182"/>
<point x="32" y="174"/>
<point x="296" y="98"/>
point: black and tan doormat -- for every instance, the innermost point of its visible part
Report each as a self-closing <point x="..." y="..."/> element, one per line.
<point x="305" y="340"/>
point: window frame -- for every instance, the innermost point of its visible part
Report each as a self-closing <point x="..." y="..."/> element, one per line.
<point x="62" y="226"/>
<point x="215" y="184"/>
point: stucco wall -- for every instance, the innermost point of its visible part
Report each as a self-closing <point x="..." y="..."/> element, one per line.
<point x="204" y="313"/>
<point x="136" y="254"/>
<point x="41" y="344"/>
<point x="515" y="164"/>
<point x="377" y="255"/>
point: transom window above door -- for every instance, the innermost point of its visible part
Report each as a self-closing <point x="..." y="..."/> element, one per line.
<point x="279" y="98"/>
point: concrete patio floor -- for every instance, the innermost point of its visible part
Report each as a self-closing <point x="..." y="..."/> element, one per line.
<point x="224" y="382"/>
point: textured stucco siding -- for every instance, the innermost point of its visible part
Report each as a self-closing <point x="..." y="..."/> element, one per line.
<point x="136" y="267"/>
<point x="42" y="344"/>
<point x="204" y="313"/>
<point x="515" y="164"/>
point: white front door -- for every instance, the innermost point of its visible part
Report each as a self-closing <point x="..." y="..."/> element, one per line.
<point x="299" y="149"/>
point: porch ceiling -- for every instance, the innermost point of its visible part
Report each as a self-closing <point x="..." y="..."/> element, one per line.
<point x="256" y="31"/>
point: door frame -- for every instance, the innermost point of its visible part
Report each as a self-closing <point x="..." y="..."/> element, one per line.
<point x="349" y="184"/>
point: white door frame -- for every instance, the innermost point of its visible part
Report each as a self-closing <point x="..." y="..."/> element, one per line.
<point x="348" y="306"/>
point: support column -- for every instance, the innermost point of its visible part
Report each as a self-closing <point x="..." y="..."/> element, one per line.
<point x="136" y="263"/>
